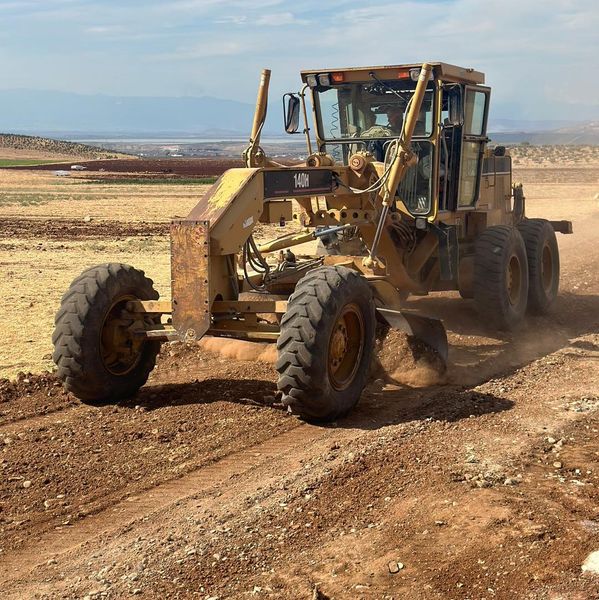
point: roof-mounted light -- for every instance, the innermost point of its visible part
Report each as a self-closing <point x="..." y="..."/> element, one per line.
<point x="415" y="74"/>
<point x="311" y="81"/>
<point x="324" y="79"/>
<point x="338" y="77"/>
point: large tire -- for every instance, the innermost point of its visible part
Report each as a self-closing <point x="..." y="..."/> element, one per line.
<point x="326" y="344"/>
<point x="96" y="361"/>
<point x="500" y="277"/>
<point x="543" y="264"/>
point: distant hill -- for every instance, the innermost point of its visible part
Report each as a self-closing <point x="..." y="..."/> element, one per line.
<point x="580" y="134"/>
<point x="530" y="126"/>
<point x="84" y="116"/>
<point x="34" y="145"/>
<point x="33" y="111"/>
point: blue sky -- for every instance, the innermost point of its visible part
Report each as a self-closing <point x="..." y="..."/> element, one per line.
<point x="539" y="56"/>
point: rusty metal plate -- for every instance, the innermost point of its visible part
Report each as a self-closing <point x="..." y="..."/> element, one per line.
<point x="190" y="263"/>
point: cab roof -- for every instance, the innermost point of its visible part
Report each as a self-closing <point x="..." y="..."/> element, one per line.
<point x="441" y="70"/>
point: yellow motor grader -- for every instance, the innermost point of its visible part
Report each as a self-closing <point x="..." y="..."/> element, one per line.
<point x="398" y="161"/>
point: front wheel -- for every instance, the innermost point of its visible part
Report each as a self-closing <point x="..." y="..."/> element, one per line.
<point x="98" y="350"/>
<point x="326" y="344"/>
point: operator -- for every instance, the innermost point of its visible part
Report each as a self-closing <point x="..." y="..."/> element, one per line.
<point x="395" y="116"/>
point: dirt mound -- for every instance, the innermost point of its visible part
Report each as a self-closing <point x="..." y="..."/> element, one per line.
<point x="202" y="167"/>
<point x="62" y="229"/>
<point x="402" y="359"/>
<point x="31" y="396"/>
<point x="240" y="349"/>
<point x="27" y="384"/>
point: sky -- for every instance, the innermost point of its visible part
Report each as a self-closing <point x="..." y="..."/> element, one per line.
<point x="539" y="55"/>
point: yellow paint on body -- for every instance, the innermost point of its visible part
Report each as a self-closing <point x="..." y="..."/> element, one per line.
<point x="229" y="185"/>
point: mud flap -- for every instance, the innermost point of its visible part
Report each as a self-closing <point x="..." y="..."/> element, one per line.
<point x="190" y="256"/>
<point x="562" y="226"/>
<point x="430" y="331"/>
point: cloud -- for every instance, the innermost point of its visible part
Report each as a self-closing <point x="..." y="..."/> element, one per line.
<point x="211" y="48"/>
<point x="268" y="20"/>
<point x="106" y="29"/>
<point x="531" y="52"/>
<point x="233" y="19"/>
<point x="279" y="19"/>
<point x="199" y="6"/>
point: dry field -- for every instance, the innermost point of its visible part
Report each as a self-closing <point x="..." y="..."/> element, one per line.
<point x="201" y="487"/>
<point x="554" y="157"/>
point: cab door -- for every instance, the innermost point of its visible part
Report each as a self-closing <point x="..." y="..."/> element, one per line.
<point x="474" y="138"/>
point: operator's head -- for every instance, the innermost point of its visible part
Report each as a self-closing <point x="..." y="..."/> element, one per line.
<point x="395" y="116"/>
<point x="420" y="128"/>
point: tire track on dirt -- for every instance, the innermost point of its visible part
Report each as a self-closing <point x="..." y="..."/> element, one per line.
<point x="254" y="470"/>
<point x="204" y="481"/>
<point x="33" y="421"/>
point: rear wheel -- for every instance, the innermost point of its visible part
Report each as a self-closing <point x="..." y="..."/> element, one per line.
<point x="99" y="356"/>
<point x="326" y="343"/>
<point x="543" y="264"/>
<point x="500" y="276"/>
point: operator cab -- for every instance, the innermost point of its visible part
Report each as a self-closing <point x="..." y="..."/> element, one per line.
<point x="363" y="109"/>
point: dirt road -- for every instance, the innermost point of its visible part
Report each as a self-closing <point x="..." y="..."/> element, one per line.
<point x="202" y="487"/>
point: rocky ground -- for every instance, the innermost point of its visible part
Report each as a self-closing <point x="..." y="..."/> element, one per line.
<point x="483" y="484"/>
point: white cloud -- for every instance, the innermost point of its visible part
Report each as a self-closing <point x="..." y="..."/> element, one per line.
<point x="106" y="29"/>
<point x="202" y="50"/>
<point x="198" y="6"/>
<point x="531" y="52"/>
<point x="233" y="19"/>
<point x="279" y="19"/>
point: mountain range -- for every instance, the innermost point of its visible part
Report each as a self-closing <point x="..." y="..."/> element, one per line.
<point x="33" y="111"/>
<point x="68" y="115"/>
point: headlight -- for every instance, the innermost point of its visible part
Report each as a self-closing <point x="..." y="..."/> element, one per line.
<point x="311" y="81"/>
<point x="324" y="79"/>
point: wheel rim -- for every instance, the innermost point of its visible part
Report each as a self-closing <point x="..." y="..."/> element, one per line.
<point x="346" y="345"/>
<point x="547" y="268"/>
<point x="120" y="348"/>
<point x="514" y="280"/>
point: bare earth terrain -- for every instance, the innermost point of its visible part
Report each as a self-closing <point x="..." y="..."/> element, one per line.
<point x="484" y="486"/>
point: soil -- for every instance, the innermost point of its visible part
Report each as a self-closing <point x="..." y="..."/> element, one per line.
<point x="69" y="229"/>
<point x="200" y="167"/>
<point x="480" y="483"/>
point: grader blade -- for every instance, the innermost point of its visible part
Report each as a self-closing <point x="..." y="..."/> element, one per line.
<point x="428" y="330"/>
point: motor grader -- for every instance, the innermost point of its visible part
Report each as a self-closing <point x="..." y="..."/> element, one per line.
<point x="432" y="207"/>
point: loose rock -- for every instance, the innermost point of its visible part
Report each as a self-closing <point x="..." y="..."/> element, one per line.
<point x="591" y="564"/>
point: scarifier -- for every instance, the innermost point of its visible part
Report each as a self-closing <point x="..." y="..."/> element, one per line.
<point x="402" y="169"/>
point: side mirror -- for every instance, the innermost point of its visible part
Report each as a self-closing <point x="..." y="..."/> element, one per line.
<point x="291" y="111"/>
<point x="455" y="107"/>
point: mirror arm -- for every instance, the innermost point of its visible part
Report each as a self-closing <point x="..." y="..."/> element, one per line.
<point x="302" y="95"/>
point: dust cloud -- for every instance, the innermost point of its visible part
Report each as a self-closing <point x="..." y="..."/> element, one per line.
<point x="240" y="349"/>
<point x="402" y="359"/>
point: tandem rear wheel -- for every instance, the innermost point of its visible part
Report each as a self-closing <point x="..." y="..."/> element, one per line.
<point x="543" y="264"/>
<point x="516" y="269"/>
<point x="500" y="283"/>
